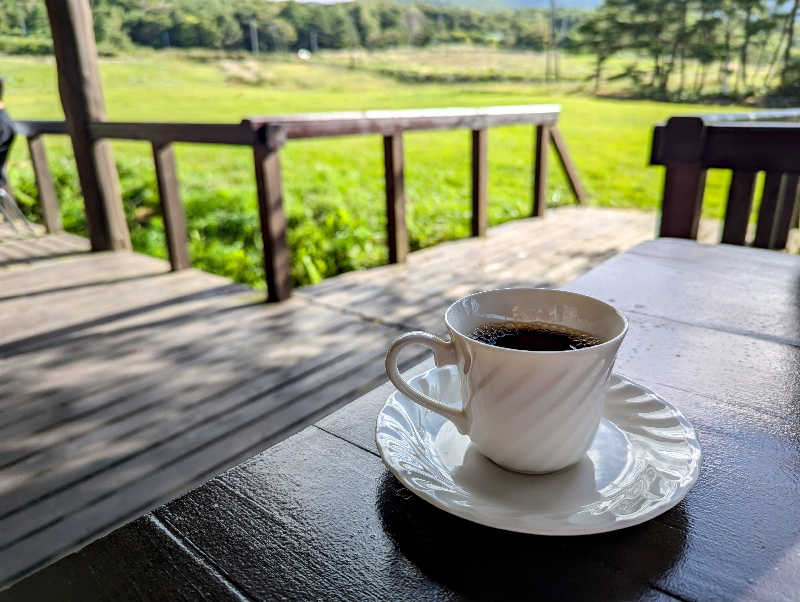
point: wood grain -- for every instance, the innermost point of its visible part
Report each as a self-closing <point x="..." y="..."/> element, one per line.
<point x="354" y="530"/>
<point x="175" y="571"/>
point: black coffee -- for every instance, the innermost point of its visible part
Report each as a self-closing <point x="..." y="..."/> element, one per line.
<point x="533" y="336"/>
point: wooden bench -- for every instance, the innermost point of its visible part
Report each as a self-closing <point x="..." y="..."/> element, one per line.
<point x="745" y="143"/>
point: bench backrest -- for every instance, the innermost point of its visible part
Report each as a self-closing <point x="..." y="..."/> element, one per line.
<point x="688" y="146"/>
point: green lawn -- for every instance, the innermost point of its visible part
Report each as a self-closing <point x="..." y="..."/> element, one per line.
<point x="334" y="187"/>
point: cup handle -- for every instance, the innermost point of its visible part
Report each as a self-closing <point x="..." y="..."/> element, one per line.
<point x="444" y="352"/>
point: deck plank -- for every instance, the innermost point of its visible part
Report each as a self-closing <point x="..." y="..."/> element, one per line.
<point x="125" y="385"/>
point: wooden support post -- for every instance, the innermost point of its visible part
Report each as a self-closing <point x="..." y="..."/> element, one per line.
<point x="740" y="204"/>
<point x="788" y="201"/>
<point x="396" y="233"/>
<point x="171" y="206"/>
<point x="480" y="181"/>
<point x="277" y="260"/>
<point x="540" y="170"/>
<point x="681" y="150"/>
<point x="684" y="186"/>
<point x="82" y="99"/>
<point x="776" y="210"/>
<point x="569" y="167"/>
<point x="769" y="210"/>
<point x="48" y="201"/>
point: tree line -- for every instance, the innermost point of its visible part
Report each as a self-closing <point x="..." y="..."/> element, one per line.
<point x="744" y="46"/>
<point x="281" y="26"/>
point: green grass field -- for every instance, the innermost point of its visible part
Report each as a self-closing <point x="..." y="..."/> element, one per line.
<point x="334" y="187"/>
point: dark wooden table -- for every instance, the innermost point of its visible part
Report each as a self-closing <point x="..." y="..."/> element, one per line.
<point x="715" y="330"/>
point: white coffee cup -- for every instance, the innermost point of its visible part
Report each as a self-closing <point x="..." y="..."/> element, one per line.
<point x="528" y="411"/>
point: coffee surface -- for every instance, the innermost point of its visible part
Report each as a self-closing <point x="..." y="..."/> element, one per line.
<point x="533" y="336"/>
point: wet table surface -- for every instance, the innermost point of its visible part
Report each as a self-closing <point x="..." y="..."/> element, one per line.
<point x="715" y="330"/>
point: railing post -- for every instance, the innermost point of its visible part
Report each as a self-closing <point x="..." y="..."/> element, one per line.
<point x="396" y="233"/>
<point x="540" y="170"/>
<point x="682" y="148"/>
<point x="171" y="206"/>
<point x="48" y="201"/>
<point x="569" y="167"/>
<point x="480" y="181"/>
<point x="277" y="261"/>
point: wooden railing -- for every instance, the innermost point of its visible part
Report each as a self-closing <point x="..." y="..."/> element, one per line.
<point x="745" y="143"/>
<point x="267" y="135"/>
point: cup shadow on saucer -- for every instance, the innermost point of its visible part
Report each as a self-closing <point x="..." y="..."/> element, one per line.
<point x="483" y="562"/>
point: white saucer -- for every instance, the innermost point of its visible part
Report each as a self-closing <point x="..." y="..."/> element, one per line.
<point x="643" y="461"/>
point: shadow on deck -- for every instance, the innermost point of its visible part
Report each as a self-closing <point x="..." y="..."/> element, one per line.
<point x="125" y="385"/>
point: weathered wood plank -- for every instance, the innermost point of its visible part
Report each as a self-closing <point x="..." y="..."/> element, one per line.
<point x="480" y="181"/>
<point x="48" y="201"/>
<point x="540" y="149"/>
<point x="394" y="175"/>
<point x="176" y="572"/>
<point x="389" y="524"/>
<point x="740" y="203"/>
<point x="770" y="308"/>
<point x="171" y="206"/>
<point x="180" y="462"/>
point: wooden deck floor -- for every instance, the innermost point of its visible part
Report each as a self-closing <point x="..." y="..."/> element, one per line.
<point x="124" y="385"/>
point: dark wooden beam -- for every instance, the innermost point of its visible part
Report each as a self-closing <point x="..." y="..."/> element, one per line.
<point x="745" y="146"/>
<point x="82" y="98"/>
<point x="394" y="174"/>
<point x="171" y="206"/>
<point x="269" y="187"/>
<point x="480" y="181"/>
<point x="541" y="147"/>
<point x="776" y="210"/>
<point x="740" y="204"/>
<point x="48" y="201"/>
<point x="684" y="186"/>
<point x="211" y="133"/>
<point x="786" y="212"/>
<point x="768" y="211"/>
<point x="680" y="148"/>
